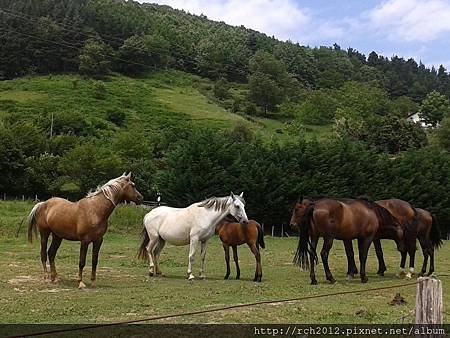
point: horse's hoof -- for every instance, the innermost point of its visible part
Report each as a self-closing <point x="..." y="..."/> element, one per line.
<point x="350" y="277"/>
<point x="55" y="280"/>
<point x="191" y="277"/>
<point x="332" y="281"/>
<point x="259" y="279"/>
<point x="93" y="285"/>
<point x="160" y="274"/>
<point x="81" y="285"/>
<point x="202" y="277"/>
<point x="238" y="277"/>
<point x="226" y="277"/>
<point x="380" y="273"/>
<point x="314" y="282"/>
<point x="408" y="276"/>
<point x="364" y="280"/>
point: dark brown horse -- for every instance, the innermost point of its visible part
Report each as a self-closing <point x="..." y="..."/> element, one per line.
<point x="417" y="224"/>
<point x="427" y="231"/>
<point x="343" y="219"/>
<point x="234" y="234"/>
<point x="406" y="216"/>
<point x="85" y="221"/>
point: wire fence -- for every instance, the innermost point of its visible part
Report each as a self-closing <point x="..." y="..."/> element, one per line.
<point x="218" y="309"/>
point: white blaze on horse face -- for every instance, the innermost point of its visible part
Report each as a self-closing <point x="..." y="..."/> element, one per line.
<point x="237" y="210"/>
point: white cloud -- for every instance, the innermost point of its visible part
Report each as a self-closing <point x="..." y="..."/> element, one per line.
<point x="411" y="20"/>
<point x="281" y="18"/>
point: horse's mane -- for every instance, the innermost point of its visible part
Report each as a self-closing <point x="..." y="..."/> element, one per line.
<point x="109" y="189"/>
<point x="218" y="203"/>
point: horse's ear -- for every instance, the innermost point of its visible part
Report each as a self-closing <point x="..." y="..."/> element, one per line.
<point x="232" y="196"/>
<point x="242" y="194"/>
<point x="124" y="173"/>
<point x="129" y="175"/>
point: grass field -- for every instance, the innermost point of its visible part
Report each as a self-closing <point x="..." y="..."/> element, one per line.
<point x="125" y="292"/>
<point x="159" y="100"/>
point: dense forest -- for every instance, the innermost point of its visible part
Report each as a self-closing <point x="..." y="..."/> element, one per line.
<point x="76" y="109"/>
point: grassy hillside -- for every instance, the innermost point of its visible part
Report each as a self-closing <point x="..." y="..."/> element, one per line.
<point x="124" y="292"/>
<point x="163" y="99"/>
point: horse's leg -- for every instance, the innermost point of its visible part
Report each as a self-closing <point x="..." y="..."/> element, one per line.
<point x="203" y="246"/>
<point x="236" y="261"/>
<point x="83" y="251"/>
<point x="401" y="272"/>
<point x="424" y="246"/>
<point x="412" y="255"/>
<point x="431" y="253"/>
<point x="258" y="273"/>
<point x="44" y="240"/>
<point x="379" y="253"/>
<point x="363" y="247"/>
<point x="327" y="244"/>
<point x="56" y="242"/>
<point x="158" y="249"/>
<point x="192" y="246"/>
<point x="312" y="262"/>
<point x="226" y="249"/>
<point x="95" y="250"/>
<point x="351" y="269"/>
<point x="151" y="246"/>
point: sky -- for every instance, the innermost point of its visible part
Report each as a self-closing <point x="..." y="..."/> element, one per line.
<point x="408" y="28"/>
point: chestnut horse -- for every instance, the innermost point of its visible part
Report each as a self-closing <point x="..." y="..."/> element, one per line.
<point x="85" y="221"/>
<point x="344" y="219"/>
<point x="233" y="234"/>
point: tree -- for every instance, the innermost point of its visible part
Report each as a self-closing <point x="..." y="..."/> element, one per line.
<point x="95" y="58"/>
<point x="144" y="50"/>
<point x="393" y="134"/>
<point x="443" y="134"/>
<point x="265" y="92"/>
<point x="268" y="81"/>
<point x="433" y="109"/>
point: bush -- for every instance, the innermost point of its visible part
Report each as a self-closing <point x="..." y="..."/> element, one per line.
<point x="116" y="116"/>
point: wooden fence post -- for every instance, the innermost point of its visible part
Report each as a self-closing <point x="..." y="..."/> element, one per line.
<point x="429" y="305"/>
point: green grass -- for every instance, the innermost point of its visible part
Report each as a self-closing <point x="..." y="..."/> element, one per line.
<point x="124" y="291"/>
<point x="159" y="100"/>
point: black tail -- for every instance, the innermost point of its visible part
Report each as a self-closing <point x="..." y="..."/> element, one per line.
<point x="304" y="242"/>
<point x="260" y="236"/>
<point x="143" y="248"/>
<point x="435" y="234"/>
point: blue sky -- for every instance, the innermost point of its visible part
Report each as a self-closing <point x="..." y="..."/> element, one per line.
<point x="408" y="28"/>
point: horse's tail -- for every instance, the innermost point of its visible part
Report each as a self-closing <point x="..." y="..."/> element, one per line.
<point x="304" y="242"/>
<point x="32" y="221"/>
<point x="435" y="233"/>
<point x="142" y="254"/>
<point x="260" y="236"/>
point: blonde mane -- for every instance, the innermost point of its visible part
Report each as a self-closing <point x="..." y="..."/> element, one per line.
<point x="110" y="189"/>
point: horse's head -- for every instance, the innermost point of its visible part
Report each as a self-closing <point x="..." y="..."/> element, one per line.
<point x="129" y="191"/>
<point x="237" y="208"/>
<point x="297" y="214"/>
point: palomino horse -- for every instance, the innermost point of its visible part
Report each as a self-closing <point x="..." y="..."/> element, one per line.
<point x="85" y="221"/>
<point x="183" y="226"/>
<point x="344" y="219"/>
<point x="234" y="234"/>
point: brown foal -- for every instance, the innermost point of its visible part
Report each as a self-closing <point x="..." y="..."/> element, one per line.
<point x="234" y="234"/>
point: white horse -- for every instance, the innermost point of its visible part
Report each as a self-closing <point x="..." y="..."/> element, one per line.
<point x="183" y="226"/>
